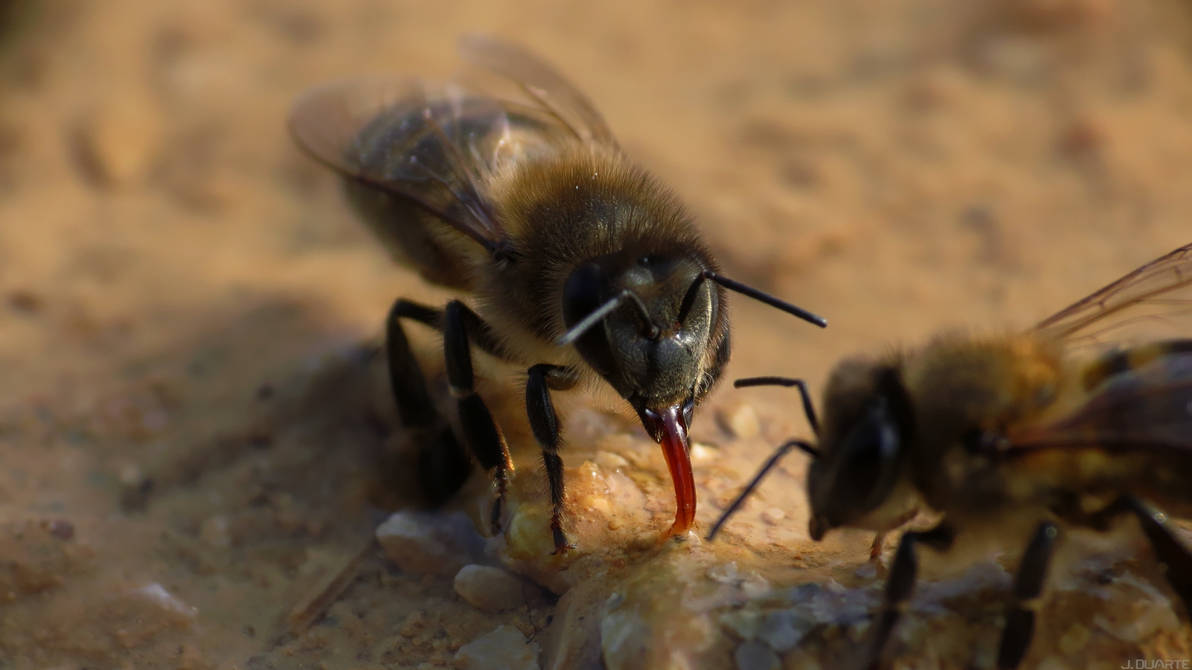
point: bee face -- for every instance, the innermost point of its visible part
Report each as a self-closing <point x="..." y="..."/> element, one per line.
<point x="653" y="349"/>
<point x="867" y="433"/>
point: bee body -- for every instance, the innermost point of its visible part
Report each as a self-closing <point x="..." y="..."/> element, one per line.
<point x="581" y="265"/>
<point x="1085" y="418"/>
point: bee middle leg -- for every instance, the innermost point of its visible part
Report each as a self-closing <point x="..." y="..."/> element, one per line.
<point x="545" y="424"/>
<point x="901" y="582"/>
<point x="1028" y="584"/>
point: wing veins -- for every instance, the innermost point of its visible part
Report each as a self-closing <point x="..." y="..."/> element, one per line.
<point x="1115" y="297"/>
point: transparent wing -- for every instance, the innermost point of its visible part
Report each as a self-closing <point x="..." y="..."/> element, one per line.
<point x="436" y="145"/>
<point x="1151" y="303"/>
<point x="1146" y="408"/>
<point x="543" y="84"/>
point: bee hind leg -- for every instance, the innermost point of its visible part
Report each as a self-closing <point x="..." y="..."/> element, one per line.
<point x="901" y="582"/>
<point x="545" y="424"/>
<point x="1028" y="584"/>
<point x="1175" y="558"/>
<point x="442" y="465"/>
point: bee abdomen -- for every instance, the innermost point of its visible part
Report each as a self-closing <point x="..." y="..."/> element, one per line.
<point x="1121" y="361"/>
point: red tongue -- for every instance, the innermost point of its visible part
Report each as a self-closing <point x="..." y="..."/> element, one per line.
<point x="674" y="448"/>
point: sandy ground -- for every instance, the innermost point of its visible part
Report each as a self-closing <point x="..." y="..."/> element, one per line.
<point x="190" y="419"/>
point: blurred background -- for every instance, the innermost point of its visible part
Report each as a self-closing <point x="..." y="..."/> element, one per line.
<point x="174" y="273"/>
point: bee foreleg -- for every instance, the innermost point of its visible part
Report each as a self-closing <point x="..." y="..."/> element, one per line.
<point x="901" y="582"/>
<point x="545" y="424"/>
<point x="1020" y="618"/>
<point x="442" y="463"/>
<point x="481" y="433"/>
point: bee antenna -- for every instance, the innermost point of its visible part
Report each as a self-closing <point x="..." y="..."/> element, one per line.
<point x="744" y="289"/>
<point x="604" y="310"/>
<point x="781" y="451"/>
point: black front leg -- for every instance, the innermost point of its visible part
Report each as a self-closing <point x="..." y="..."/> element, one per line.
<point x="545" y="424"/>
<point x="901" y="582"/>
<point x="480" y="431"/>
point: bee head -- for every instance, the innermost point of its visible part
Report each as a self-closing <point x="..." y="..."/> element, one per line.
<point x="868" y="423"/>
<point x="646" y="323"/>
<point x="653" y="326"/>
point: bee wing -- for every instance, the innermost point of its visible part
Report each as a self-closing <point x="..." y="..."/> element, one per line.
<point x="1146" y="408"/>
<point x="545" y="85"/>
<point x="1151" y="303"/>
<point x="435" y="145"/>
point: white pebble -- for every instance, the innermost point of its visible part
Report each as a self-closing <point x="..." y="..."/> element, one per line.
<point x="168" y="603"/>
<point x="489" y="589"/>
<point x="503" y="649"/>
<point x="773" y="516"/>
<point x="430" y="543"/>
<point x="741" y="421"/>
<point x="703" y="453"/>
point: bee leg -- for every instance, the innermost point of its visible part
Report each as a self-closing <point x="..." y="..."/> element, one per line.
<point x="1172" y="555"/>
<point x="1175" y="558"/>
<point x="545" y="424"/>
<point x="1028" y="584"/>
<point x="480" y="431"/>
<point x="443" y="465"/>
<point x="901" y="582"/>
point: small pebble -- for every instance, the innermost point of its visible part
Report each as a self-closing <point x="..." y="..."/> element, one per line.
<point x="744" y="622"/>
<point x="117" y="143"/>
<point x="135" y="487"/>
<point x="1074" y="639"/>
<point x="503" y="649"/>
<point x="26" y="302"/>
<point x="754" y="655"/>
<point x="610" y="461"/>
<point x="169" y="604"/>
<point x="214" y="532"/>
<point x="430" y="543"/>
<point x="783" y="629"/>
<point x="489" y="589"/>
<point x="60" y="528"/>
<point x="702" y="453"/>
<point x="740" y="421"/>
<point x="773" y="516"/>
<point x="413" y="625"/>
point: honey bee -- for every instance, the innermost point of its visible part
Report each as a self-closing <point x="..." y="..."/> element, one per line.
<point x="1082" y="419"/>
<point x="583" y="266"/>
